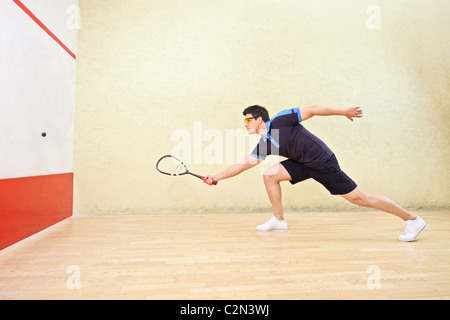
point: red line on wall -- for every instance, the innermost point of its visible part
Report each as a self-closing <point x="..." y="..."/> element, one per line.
<point x="40" y="24"/>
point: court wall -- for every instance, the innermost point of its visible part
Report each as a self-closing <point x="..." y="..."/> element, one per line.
<point x="160" y="77"/>
<point x="37" y="95"/>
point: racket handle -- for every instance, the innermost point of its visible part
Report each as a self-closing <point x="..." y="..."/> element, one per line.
<point x="214" y="181"/>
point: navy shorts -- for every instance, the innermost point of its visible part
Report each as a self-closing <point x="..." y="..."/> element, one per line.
<point x="329" y="174"/>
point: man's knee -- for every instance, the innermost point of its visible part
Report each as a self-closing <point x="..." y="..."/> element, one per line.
<point x="269" y="176"/>
<point x="359" y="198"/>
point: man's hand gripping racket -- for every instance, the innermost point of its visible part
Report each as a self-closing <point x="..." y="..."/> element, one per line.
<point x="171" y="166"/>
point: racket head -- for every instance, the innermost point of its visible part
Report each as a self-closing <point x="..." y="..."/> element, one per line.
<point x="171" y="166"/>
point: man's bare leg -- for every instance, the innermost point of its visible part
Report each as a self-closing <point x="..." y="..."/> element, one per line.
<point x="272" y="178"/>
<point x="363" y="199"/>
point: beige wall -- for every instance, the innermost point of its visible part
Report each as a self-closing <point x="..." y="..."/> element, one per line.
<point x="150" y="72"/>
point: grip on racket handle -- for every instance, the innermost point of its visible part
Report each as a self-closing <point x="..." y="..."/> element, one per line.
<point x="214" y="181"/>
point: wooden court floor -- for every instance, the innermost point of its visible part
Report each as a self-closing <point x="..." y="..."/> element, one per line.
<point x="333" y="255"/>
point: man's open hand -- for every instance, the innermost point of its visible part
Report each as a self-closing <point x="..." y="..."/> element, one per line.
<point x="353" y="112"/>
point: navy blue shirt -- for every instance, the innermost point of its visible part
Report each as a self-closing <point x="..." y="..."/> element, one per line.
<point x="288" y="138"/>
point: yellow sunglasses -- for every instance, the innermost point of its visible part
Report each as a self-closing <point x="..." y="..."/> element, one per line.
<point x="249" y="120"/>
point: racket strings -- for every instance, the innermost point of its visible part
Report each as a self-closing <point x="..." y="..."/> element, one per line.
<point x="171" y="166"/>
<point x="179" y="169"/>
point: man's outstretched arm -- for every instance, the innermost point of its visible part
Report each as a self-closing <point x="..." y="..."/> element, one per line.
<point x="248" y="163"/>
<point x="350" y="113"/>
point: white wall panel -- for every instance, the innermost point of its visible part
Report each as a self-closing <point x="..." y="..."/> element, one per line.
<point x="37" y="87"/>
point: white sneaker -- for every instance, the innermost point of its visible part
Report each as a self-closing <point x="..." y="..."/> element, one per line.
<point x="273" y="225"/>
<point x="413" y="228"/>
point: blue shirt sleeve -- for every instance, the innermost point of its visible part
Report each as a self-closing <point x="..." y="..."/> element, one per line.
<point x="289" y="117"/>
<point x="299" y="115"/>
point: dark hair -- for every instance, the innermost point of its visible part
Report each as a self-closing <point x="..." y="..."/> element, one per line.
<point x="256" y="112"/>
